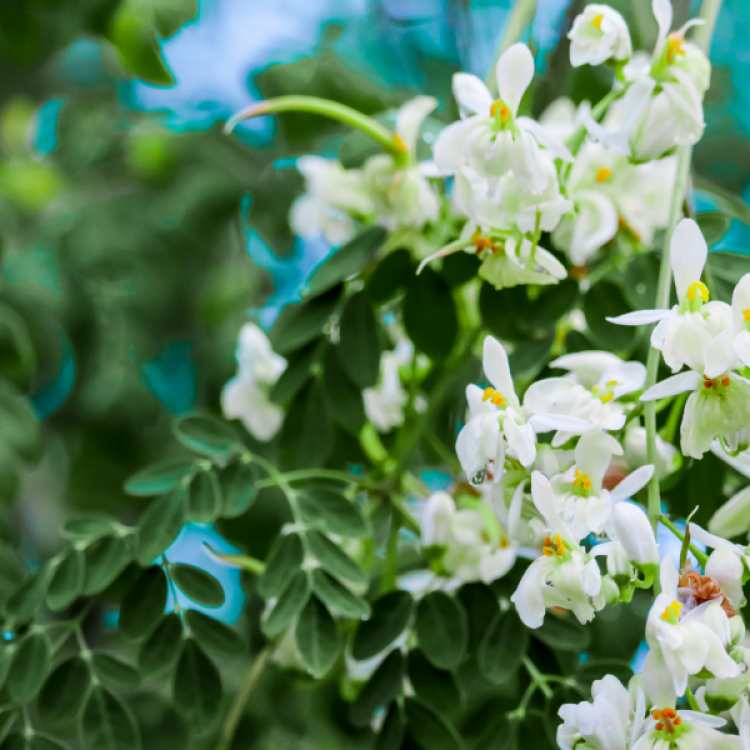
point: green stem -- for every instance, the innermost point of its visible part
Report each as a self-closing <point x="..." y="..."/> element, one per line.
<point x="664" y="285"/>
<point x="575" y="141"/>
<point x="702" y="35"/>
<point x="235" y="714"/>
<point x="670" y="428"/>
<point x="691" y="700"/>
<point x="520" y="17"/>
<point x="701" y="557"/>
<point x="539" y="679"/>
<point x="390" y="573"/>
<point x="326" y="108"/>
<point x="304" y="474"/>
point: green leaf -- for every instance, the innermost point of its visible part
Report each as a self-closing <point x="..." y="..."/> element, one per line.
<point x="605" y="300"/>
<point x="500" y="736"/>
<point x="391" y="734"/>
<point x="392" y="274"/>
<point x="163" y="647"/>
<point x="528" y="358"/>
<point x="291" y="602"/>
<point x="337" y="597"/>
<point x="503" y="647"/>
<point x="204" y="498"/>
<point x="160" y="525"/>
<point x="730" y="202"/>
<point x="430" y="316"/>
<point x="329" y="511"/>
<point x="595" y="669"/>
<point x="359" y="347"/>
<point x="207" y="436"/>
<point x="105" y="560"/>
<point x="197" y="584"/>
<point x="390" y="616"/>
<point x="345" y="262"/>
<point x="161" y="477"/>
<point x="458" y="268"/>
<point x="428" y="729"/>
<point x="713" y="225"/>
<point x="437" y="688"/>
<point x="20" y="424"/>
<point x="215" y="637"/>
<point x="108" y="724"/>
<point x="307" y="434"/>
<point x="197" y="688"/>
<point x="284" y="560"/>
<point x="89" y="528"/>
<point x="333" y="559"/>
<point x="481" y="607"/>
<point x="237" y="490"/>
<point x="442" y="629"/>
<point x="6" y="658"/>
<point x="68" y="579"/>
<point x="45" y="742"/>
<point x="115" y="671"/>
<point x="563" y="633"/>
<point x="143" y="605"/>
<point x="65" y="691"/>
<point x="383" y="686"/>
<point x="29" y="667"/>
<point x="299" y="371"/>
<point x="299" y="324"/>
<point x="498" y="308"/>
<point x="24" y="602"/>
<point x="317" y="638"/>
<point x="344" y="398"/>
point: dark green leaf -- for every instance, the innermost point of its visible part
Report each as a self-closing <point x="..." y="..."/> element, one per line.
<point x="284" y="560"/>
<point x="163" y="647"/>
<point x="458" y="268"/>
<point x="45" y="742"/>
<point x="713" y="225"/>
<point x="436" y="687"/>
<point x="207" y="436"/>
<point x="197" y="585"/>
<point x="299" y="324"/>
<point x="290" y="604"/>
<point x="528" y="358"/>
<point x="108" y="724"/>
<point x="730" y="202"/>
<point x="602" y="301"/>
<point x="638" y="283"/>
<point x="204" y="498"/>
<point x="383" y="686"/>
<point x="500" y="736"/>
<point x="391" y="734"/>
<point x="215" y="637"/>
<point x="430" y="316"/>
<point x="29" y="667"/>
<point x="317" y="638"/>
<point x="90" y="528"/>
<point x="238" y="489"/>
<point x="307" y="434"/>
<point x="345" y="262"/>
<point x="333" y="559"/>
<point x="115" y="671"/>
<point x="6" y="658"/>
<point x="67" y="581"/>
<point x="481" y="606"/>
<point x="499" y="311"/>
<point x="105" y="560"/>
<point x="359" y="347"/>
<point x="298" y="372"/>
<point x="160" y="525"/>
<point x="24" y="602"/>
<point x="160" y="477"/>
<point x="329" y="511"/>
<point x="392" y="274"/>
<point x="337" y="597"/>
<point x="143" y="605"/>
<point x="563" y="633"/>
<point x="197" y="688"/>
<point x="20" y="424"/>
<point x="428" y="729"/>
<point x="503" y="647"/>
<point x="65" y="692"/>
<point x="390" y="616"/>
<point x="595" y="669"/>
<point x="442" y="629"/>
<point x="344" y="398"/>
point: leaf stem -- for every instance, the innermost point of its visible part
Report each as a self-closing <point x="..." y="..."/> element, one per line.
<point x="701" y="557"/>
<point x="539" y="679"/>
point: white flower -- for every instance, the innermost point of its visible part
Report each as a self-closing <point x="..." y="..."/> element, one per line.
<point x="630" y="527"/>
<point x="564" y="576"/>
<point x="490" y="138"/>
<point x="732" y="518"/>
<point x="562" y="117"/>
<point x="384" y="404"/>
<point x="634" y="445"/>
<point x="468" y="543"/>
<point x="666" y="728"/>
<point x="245" y="396"/>
<point x="599" y="34"/>
<point x="728" y="564"/>
<point x="335" y="197"/>
<point x="732" y="345"/>
<point x="401" y="194"/>
<point x="684" y="333"/>
<point x="611" y="721"/>
<point x="683" y="641"/>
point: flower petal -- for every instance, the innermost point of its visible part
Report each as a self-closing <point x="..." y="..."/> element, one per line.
<point x="632" y="483"/>
<point x="662" y="10"/>
<point x="548" y="422"/>
<point x="496" y="367"/>
<point x="719" y="354"/>
<point x="640" y="317"/>
<point x="471" y="94"/>
<point x="685" y="381"/>
<point x="688" y="252"/>
<point x="594" y="453"/>
<point x="716" y="722"/>
<point x="545" y="138"/>
<point x="742" y="347"/>
<point x="514" y="71"/>
<point x="410" y="118"/>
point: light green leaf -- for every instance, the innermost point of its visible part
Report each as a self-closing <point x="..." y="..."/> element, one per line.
<point x="89" y="528"/>
<point x="161" y="477"/>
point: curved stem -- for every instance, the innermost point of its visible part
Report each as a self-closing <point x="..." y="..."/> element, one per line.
<point x="701" y="557"/>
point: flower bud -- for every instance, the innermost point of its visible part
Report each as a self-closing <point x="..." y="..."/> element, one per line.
<point x="629" y="526"/>
<point x="599" y="34"/>
<point x="610" y="591"/>
<point x="618" y="565"/>
<point x="737" y="629"/>
<point x="716" y="620"/>
<point x="733" y="518"/>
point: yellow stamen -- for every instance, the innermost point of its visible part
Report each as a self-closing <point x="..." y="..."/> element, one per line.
<point x="611" y="383"/>
<point x="603" y="174"/>
<point x="552" y="548"/>
<point x="725" y="381"/>
<point x="746" y="315"/>
<point x="398" y="141"/>
<point x="497" y="399"/>
<point x="674" y="47"/>
<point x="700" y="288"/>
<point x="606" y="399"/>
<point x="499" y="104"/>
<point x="503" y="543"/>
<point x="597" y="22"/>
<point x="672" y="612"/>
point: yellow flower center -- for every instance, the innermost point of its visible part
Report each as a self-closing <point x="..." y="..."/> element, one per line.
<point x="603" y="174"/>
<point x="697" y="287"/>
<point x="502" y="107"/>
<point x="493" y="396"/>
<point x="597" y="21"/>
<point x="503" y="543"/>
<point x="398" y="142"/>
<point x="608" y="393"/>
<point x="746" y="315"/>
<point x="674" y="47"/>
<point x="709" y="383"/>
<point x="666" y="718"/>
<point x="582" y="480"/>
<point x="553" y="547"/>
<point x="672" y="613"/>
